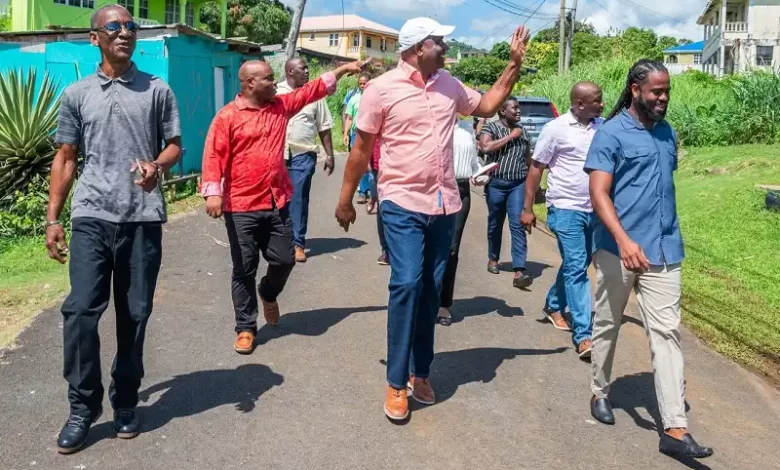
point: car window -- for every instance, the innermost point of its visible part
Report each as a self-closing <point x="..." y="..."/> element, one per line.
<point x="536" y="109"/>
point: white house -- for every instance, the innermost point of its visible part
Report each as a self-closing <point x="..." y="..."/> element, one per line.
<point x="740" y="35"/>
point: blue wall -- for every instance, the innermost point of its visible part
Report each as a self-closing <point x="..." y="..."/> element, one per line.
<point x="186" y="63"/>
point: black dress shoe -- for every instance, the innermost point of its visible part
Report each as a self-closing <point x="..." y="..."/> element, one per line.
<point x="685" y="447"/>
<point x="601" y="410"/>
<point x="523" y="282"/>
<point x="74" y="434"/>
<point x="126" y="423"/>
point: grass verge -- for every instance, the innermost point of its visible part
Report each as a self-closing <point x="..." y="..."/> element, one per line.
<point x="731" y="274"/>
<point x="31" y="282"/>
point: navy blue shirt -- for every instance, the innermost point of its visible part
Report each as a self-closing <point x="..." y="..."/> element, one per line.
<point x="642" y="163"/>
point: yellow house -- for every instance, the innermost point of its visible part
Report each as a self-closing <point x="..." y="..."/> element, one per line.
<point x="348" y="36"/>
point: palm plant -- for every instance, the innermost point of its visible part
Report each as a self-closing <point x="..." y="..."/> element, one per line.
<point x="28" y="120"/>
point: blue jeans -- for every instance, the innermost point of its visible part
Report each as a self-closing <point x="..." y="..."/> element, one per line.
<point x="574" y="230"/>
<point x="418" y="246"/>
<point x="301" y="169"/>
<point x="506" y="197"/>
<point x="365" y="185"/>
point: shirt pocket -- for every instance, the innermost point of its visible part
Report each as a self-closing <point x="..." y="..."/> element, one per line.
<point x="633" y="154"/>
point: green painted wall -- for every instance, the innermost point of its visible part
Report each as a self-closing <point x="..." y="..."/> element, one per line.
<point x="37" y="15"/>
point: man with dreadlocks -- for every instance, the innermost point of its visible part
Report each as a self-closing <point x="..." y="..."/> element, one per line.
<point x="638" y="246"/>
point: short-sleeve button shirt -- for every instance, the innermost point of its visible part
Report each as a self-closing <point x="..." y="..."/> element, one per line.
<point x="642" y="163"/>
<point x="114" y="122"/>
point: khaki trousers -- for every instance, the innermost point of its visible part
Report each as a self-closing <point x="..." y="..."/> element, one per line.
<point x="658" y="293"/>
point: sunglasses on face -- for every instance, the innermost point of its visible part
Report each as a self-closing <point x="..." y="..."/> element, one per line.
<point x="114" y="27"/>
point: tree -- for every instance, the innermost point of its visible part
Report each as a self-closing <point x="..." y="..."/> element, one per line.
<point x="542" y="56"/>
<point x="501" y="50"/>
<point x="261" y="21"/>
<point x="552" y="34"/>
<point x="456" y="46"/>
<point x="479" y="70"/>
<point x="637" y="43"/>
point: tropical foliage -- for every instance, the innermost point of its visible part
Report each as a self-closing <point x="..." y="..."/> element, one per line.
<point x="262" y="21"/>
<point x="28" y="119"/>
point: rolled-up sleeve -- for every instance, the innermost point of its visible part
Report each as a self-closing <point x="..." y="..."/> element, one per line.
<point x="68" y="120"/>
<point x="324" y="118"/>
<point x="370" y="115"/>
<point x="215" y="153"/>
<point x="603" y="152"/>
<point x="467" y="99"/>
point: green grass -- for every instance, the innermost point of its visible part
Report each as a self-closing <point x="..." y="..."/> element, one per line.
<point x="31" y="282"/>
<point x="731" y="276"/>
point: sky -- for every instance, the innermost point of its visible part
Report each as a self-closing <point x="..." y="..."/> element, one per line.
<point x="482" y="25"/>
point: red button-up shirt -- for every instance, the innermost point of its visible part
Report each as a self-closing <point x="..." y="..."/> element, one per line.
<point x="244" y="155"/>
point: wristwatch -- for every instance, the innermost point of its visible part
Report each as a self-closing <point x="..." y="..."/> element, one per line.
<point x="159" y="170"/>
<point x="53" y="222"/>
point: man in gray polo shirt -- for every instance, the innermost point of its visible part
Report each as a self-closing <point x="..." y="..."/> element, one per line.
<point x="126" y="124"/>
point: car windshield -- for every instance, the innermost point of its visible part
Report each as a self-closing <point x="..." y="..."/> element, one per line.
<point x="536" y="109"/>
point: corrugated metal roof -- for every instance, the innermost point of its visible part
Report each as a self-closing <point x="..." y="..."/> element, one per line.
<point x="691" y="48"/>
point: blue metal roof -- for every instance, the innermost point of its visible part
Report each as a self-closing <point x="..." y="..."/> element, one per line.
<point x="691" y="48"/>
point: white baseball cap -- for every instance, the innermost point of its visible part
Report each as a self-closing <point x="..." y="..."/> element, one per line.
<point x="416" y="30"/>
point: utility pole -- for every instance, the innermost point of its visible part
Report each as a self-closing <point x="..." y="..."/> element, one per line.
<point x="562" y="38"/>
<point x="295" y="27"/>
<point x="572" y="19"/>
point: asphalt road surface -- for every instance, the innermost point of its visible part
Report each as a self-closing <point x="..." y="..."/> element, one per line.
<point x="512" y="393"/>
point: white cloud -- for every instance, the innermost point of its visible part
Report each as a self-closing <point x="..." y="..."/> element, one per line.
<point x="486" y="25"/>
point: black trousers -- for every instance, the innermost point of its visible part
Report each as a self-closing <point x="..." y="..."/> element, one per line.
<point x="448" y="286"/>
<point x="131" y="253"/>
<point x="251" y="233"/>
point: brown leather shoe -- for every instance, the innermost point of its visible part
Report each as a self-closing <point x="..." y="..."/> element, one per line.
<point x="421" y="389"/>
<point x="396" y="404"/>
<point x="271" y="312"/>
<point x="300" y="255"/>
<point x="558" y="320"/>
<point x="584" y="348"/>
<point x="245" y="343"/>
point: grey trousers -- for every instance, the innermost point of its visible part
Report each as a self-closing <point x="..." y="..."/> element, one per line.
<point x="658" y="293"/>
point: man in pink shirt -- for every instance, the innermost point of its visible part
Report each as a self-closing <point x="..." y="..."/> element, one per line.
<point x="413" y="108"/>
<point x="563" y="147"/>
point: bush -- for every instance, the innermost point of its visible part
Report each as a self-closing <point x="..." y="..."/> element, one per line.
<point x="26" y="215"/>
<point x="704" y="111"/>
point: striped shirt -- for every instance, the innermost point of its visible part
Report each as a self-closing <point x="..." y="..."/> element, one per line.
<point x="464" y="149"/>
<point x="511" y="158"/>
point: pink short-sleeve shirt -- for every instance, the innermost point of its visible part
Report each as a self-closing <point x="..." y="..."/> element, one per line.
<point x="416" y="121"/>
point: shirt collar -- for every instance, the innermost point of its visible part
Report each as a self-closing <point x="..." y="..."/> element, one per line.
<point x="284" y="85"/>
<point x="572" y="120"/>
<point x="410" y="72"/>
<point x="630" y="122"/>
<point x="242" y="103"/>
<point x="126" y="77"/>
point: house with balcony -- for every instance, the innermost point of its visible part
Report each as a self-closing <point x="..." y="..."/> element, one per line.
<point x="740" y="35"/>
<point x="682" y="58"/>
<point x="41" y="15"/>
<point x="348" y="36"/>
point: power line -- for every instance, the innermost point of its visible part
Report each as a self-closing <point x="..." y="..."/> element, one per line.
<point x="652" y="11"/>
<point x="608" y="12"/>
<point x="524" y="14"/>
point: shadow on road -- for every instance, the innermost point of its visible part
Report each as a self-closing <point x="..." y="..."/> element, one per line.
<point x="326" y="246"/>
<point x="474" y="307"/>
<point x="635" y="391"/>
<point x="451" y="369"/>
<point x="309" y="323"/>
<point x="532" y="268"/>
<point x="197" y="392"/>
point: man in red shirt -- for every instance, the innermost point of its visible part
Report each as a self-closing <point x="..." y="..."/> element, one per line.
<point x="245" y="177"/>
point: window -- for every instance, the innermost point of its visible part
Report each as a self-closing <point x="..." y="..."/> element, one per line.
<point x="333" y="39"/>
<point x="356" y="40"/>
<point x="383" y="44"/>
<point x="77" y="3"/>
<point x="672" y="59"/>
<point x="129" y="4"/>
<point x="171" y="11"/>
<point x="189" y="13"/>
<point x="368" y="42"/>
<point x="696" y="59"/>
<point x="311" y="37"/>
<point x="764" y="55"/>
<point x="143" y="9"/>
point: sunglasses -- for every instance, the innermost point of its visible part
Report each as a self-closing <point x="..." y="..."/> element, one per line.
<point x="114" y="27"/>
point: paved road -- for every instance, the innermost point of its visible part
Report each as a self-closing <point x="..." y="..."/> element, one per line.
<point x="512" y="393"/>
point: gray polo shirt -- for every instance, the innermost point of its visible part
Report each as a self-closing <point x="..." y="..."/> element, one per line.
<point x="115" y="122"/>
